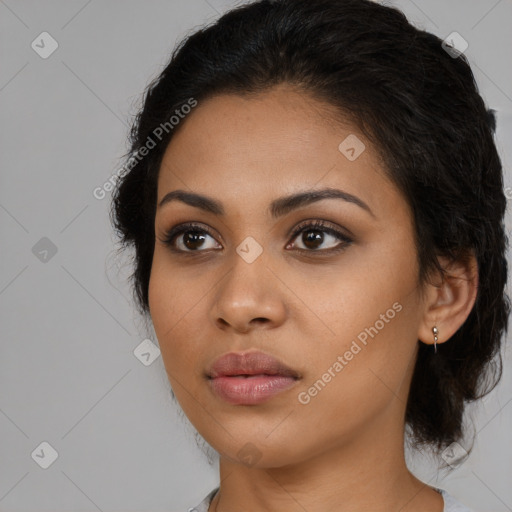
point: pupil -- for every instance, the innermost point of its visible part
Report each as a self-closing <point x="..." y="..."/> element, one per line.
<point x="193" y="237"/>
<point x="317" y="237"/>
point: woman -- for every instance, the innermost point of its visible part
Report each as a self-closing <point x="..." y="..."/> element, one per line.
<point x="316" y="204"/>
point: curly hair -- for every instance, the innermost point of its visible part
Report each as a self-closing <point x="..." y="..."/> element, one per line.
<point x="416" y="102"/>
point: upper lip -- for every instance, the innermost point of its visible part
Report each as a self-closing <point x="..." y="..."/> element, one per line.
<point x="249" y="363"/>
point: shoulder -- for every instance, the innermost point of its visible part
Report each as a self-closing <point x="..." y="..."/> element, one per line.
<point x="205" y="504"/>
<point x="451" y="504"/>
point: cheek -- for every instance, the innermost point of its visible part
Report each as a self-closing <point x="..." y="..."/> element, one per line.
<point x="171" y="296"/>
<point x="161" y="306"/>
<point x="369" y="316"/>
<point x="361" y="370"/>
<point x="177" y="309"/>
<point x="171" y="308"/>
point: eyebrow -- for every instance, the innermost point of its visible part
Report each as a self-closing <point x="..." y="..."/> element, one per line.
<point x="278" y="207"/>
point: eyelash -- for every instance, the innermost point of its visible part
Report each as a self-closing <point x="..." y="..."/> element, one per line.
<point x="317" y="225"/>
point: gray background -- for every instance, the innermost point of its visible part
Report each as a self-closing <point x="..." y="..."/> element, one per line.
<point x="69" y="375"/>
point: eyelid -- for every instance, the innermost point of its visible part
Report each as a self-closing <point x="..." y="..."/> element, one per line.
<point x="172" y="233"/>
<point x="320" y="224"/>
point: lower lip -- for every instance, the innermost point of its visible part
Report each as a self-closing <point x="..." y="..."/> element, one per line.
<point x="250" y="390"/>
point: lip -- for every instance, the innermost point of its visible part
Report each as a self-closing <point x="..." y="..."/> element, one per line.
<point x="250" y="378"/>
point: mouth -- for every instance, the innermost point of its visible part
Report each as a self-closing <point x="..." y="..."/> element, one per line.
<point x="249" y="364"/>
<point x="250" y="378"/>
<point x="250" y="389"/>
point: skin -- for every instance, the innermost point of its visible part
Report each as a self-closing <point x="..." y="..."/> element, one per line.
<point x="342" y="451"/>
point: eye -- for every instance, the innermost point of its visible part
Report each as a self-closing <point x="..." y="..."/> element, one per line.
<point x="192" y="237"/>
<point x="313" y="236"/>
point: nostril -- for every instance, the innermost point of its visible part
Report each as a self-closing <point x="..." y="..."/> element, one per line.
<point x="260" y="320"/>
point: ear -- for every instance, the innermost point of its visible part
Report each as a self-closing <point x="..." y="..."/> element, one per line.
<point x="449" y="300"/>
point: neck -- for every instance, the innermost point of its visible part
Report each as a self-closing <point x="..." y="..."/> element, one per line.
<point x="365" y="473"/>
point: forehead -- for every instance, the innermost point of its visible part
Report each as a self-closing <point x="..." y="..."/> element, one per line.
<point x="286" y="123"/>
<point x="270" y="144"/>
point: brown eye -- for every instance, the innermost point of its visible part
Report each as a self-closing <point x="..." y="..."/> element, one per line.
<point x="312" y="238"/>
<point x="193" y="239"/>
<point x="190" y="238"/>
<point x="314" y="235"/>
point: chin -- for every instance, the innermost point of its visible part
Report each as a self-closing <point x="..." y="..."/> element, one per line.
<point x="259" y="451"/>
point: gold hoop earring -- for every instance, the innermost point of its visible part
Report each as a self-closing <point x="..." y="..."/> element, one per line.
<point x="436" y="332"/>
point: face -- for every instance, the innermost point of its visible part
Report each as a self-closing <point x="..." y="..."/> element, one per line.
<point x="328" y="287"/>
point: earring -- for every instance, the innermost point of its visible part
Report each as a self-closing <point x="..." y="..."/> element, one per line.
<point x="435" y="331"/>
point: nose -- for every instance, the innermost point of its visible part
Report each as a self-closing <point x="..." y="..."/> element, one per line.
<point x="249" y="296"/>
